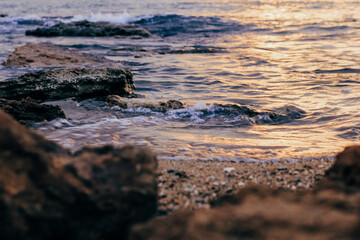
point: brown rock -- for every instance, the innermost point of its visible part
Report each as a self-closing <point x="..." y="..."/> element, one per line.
<point x="47" y="193"/>
<point x="89" y="29"/>
<point x="345" y="174"/>
<point x="114" y="100"/>
<point x="46" y="55"/>
<point x="28" y="111"/>
<point x="331" y="211"/>
<point x="80" y="83"/>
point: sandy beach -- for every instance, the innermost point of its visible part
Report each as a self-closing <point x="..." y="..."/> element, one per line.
<point x="194" y="184"/>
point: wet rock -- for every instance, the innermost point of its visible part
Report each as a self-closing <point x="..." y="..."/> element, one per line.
<point x="3" y="15"/>
<point x="48" y="193"/>
<point x="276" y="116"/>
<point x="237" y="110"/>
<point x="80" y="83"/>
<point x="114" y="100"/>
<point x="46" y="55"/>
<point x="129" y="49"/>
<point x="331" y="211"/>
<point x="89" y="29"/>
<point x="28" y="111"/>
<point x="192" y="50"/>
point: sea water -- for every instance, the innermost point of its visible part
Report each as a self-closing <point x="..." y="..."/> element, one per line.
<point x="266" y="55"/>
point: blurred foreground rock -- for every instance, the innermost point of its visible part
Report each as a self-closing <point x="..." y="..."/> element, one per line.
<point x="28" y="111"/>
<point x="46" y="55"/>
<point x="89" y="29"/>
<point x="80" y="83"/>
<point x="330" y="211"/>
<point x="48" y="193"/>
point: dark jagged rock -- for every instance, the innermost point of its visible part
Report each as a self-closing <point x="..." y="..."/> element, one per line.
<point x="46" y="55"/>
<point x="330" y="211"/>
<point x="277" y="116"/>
<point x="345" y="174"/>
<point x="114" y="100"/>
<point x="238" y="110"/>
<point x="28" y="111"/>
<point x="89" y="29"/>
<point x="192" y="50"/>
<point x="79" y="83"/>
<point x="129" y="49"/>
<point x="47" y="193"/>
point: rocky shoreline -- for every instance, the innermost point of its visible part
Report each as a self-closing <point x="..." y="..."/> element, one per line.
<point x="46" y="192"/>
<point x="114" y="191"/>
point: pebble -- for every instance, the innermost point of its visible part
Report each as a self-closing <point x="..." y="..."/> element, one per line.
<point x="229" y="170"/>
<point x="189" y="185"/>
<point x="241" y="184"/>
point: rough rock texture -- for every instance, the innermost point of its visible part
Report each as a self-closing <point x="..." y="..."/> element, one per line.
<point x="46" y="55"/>
<point x="192" y="50"/>
<point x="28" y="111"/>
<point x="115" y="100"/>
<point x="331" y="211"/>
<point x="47" y="193"/>
<point x="278" y="116"/>
<point x="89" y="29"/>
<point x="79" y="83"/>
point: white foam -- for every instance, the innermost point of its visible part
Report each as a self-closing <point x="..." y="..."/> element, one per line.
<point x="123" y="18"/>
<point x="199" y="106"/>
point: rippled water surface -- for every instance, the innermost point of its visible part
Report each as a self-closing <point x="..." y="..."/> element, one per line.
<point x="266" y="55"/>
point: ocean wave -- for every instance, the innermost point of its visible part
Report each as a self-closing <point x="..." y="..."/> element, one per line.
<point x="217" y="115"/>
<point x="161" y="25"/>
<point x="26" y="20"/>
<point x="173" y="24"/>
<point x="123" y="18"/>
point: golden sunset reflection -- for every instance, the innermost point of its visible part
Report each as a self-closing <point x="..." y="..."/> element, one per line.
<point x="269" y="56"/>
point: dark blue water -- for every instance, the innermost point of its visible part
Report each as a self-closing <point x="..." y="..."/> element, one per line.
<point x="271" y="56"/>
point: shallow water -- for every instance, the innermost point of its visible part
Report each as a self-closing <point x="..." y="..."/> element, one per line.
<point x="267" y="55"/>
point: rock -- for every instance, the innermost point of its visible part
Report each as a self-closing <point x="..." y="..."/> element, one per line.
<point x="114" y="100"/>
<point x="3" y="15"/>
<point x="129" y="49"/>
<point x="46" y="55"/>
<point x="89" y="29"/>
<point x="277" y="116"/>
<point x="192" y="50"/>
<point x="80" y="83"/>
<point x="28" y="111"/>
<point x="48" y="193"/>
<point x="259" y="214"/>
<point x="344" y="175"/>
<point x="330" y="211"/>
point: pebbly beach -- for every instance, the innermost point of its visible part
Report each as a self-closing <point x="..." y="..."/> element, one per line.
<point x="172" y="120"/>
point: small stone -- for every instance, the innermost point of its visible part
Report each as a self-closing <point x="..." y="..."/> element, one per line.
<point x="229" y="170"/>
<point x="241" y="184"/>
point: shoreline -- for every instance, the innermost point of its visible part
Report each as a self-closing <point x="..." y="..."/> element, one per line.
<point x="194" y="184"/>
